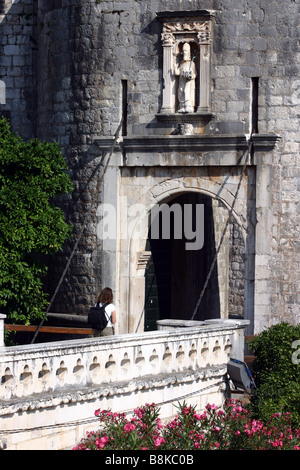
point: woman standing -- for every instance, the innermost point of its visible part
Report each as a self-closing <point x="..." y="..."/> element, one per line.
<point x="106" y="297"/>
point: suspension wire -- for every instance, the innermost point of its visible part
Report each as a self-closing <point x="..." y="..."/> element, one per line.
<point x="116" y="137"/>
<point x="224" y="231"/>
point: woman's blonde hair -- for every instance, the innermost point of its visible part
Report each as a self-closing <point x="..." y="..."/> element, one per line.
<point x="106" y="296"/>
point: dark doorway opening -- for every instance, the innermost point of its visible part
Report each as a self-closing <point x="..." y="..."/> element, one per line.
<point x="175" y="275"/>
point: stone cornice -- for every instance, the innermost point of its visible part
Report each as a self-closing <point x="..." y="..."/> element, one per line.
<point x="189" y="150"/>
<point x="264" y="142"/>
<point x="201" y="142"/>
<point x="184" y="143"/>
<point x="188" y="143"/>
<point x="163" y="15"/>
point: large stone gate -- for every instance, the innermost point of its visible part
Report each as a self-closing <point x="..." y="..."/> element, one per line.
<point x="178" y="101"/>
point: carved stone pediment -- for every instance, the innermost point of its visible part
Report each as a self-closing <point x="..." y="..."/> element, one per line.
<point x="200" y="27"/>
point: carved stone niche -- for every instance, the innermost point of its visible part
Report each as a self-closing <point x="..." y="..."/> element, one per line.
<point x="186" y="43"/>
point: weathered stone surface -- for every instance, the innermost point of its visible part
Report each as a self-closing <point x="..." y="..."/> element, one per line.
<point x="63" y="64"/>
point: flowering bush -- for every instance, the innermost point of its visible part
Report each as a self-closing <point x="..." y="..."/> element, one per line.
<point x="116" y="432"/>
<point x="231" y="428"/>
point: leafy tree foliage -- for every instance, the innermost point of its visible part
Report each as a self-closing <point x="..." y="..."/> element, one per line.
<point x="32" y="174"/>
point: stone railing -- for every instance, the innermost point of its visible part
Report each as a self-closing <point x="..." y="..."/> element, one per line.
<point x="73" y="378"/>
<point x="2" y="318"/>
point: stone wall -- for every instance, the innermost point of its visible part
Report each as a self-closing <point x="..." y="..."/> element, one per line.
<point x="67" y="66"/>
<point x="236" y="271"/>
<point x="18" y="48"/>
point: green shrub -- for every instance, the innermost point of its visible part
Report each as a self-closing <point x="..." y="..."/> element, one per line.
<point x="276" y="373"/>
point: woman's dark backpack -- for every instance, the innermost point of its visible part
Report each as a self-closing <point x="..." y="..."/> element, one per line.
<point x="97" y="317"/>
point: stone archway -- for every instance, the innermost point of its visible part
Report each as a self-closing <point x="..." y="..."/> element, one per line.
<point x="180" y="261"/>
<point x="135" y="255"/>
<point x="177" y="270"/>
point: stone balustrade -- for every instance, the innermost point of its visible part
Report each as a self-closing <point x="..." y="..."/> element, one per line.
<point x="119" y="372"/>
<point x="2" y="318"/>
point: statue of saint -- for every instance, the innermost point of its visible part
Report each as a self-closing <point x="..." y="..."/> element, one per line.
<point x="187" y="73"/>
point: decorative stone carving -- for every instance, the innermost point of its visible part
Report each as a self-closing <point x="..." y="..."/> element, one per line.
<point x="186" y="71"/>
<point x="143" y="259"/>
<point x="185" y="129"/>
<point x="186" y="67"/>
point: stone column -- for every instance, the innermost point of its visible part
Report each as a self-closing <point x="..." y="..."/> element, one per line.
<point x="204" y="75"/>
<point x="168" y="42"/>
<point x="2" y="92"/>
<point x="263" y="243"/>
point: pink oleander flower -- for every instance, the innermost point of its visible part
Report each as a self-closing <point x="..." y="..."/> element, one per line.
<point x="238" y="409"/>
<point x="100" y="443"/>
<point x="276" y="443"/>
<point x="200" y="417"/>
<point x="138" y="412"/>
<point x="158" y="441"/>
<point x="129" y="427"/>
<point x="186" y="410"/>
<point x="159" y="424"/>
<point x="211" y="407"/>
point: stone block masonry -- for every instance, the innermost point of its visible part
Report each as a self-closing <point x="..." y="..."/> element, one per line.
<point x="73" y="69"/>
<point x="17" y="64"/>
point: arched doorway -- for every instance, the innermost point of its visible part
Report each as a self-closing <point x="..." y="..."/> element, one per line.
<point x="235" y="261"/>
<point x="178" y="265"/>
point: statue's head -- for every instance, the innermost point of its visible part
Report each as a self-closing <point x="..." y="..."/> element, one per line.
<point x="186" y="50"/>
